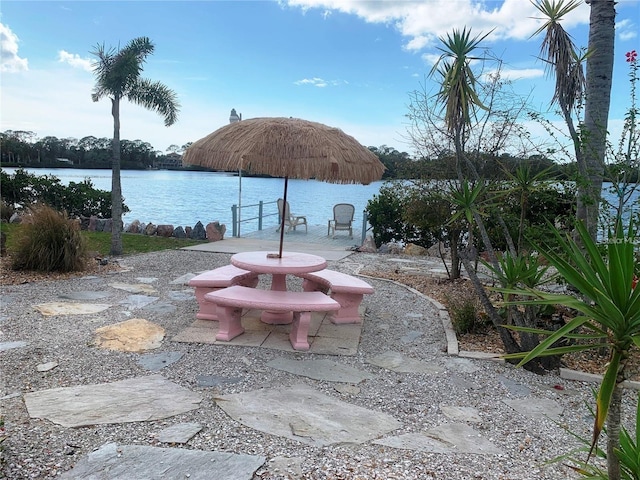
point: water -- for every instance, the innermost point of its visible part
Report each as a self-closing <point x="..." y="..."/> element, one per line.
<point x="179" y="197"/>
<point x="185" y="197"/>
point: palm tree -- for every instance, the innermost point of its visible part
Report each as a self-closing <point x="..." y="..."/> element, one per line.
<point x="596" y="112"/>
<point x="117" y="74"/>
<point x="571" y="86"/>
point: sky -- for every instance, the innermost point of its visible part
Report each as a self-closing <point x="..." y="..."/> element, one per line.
<point x="351" y="64"/>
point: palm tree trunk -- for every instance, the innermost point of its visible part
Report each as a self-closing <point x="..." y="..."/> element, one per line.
<point x="116" y="186"/>
<point x="596" y="113"/>
<point x="613" y="432"/>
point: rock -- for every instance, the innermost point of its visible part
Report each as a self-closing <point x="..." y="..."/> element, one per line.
<point x="134" y="227"/>
<point x="100" y="225"/>
<point x="215" y="231"/>
<point x="15" y="218"/>
<point x="150" y="229"/>
<point x="108" y="225"/>
<point x="93" y="223"/>
<point x="84" y="223"/>
<point x="164" y="230"/>
<point x="413" y="249"/>
<point x="198" y="232"/>
<point x="135" y="335"/>
<point x="188" y="231"/>
<point x="179" y="232"/>
<point x="368" y="246"/>
<point x="45" y="367"/>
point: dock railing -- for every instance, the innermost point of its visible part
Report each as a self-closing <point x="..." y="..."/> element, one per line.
<point x="257" y="214"/>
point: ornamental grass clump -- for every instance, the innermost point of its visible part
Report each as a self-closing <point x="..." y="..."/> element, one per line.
<point x="49" y="241"/>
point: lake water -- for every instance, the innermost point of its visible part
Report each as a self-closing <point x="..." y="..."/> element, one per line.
<point x="179" y="197"/>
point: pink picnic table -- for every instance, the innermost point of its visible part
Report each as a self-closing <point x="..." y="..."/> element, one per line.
<point x="291" y="263"/>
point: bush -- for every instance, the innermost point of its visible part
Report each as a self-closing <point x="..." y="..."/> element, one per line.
<point x="464" y="310"/>
<point x="49" y="241"/>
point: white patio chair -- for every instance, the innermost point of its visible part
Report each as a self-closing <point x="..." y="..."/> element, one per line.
<point x="342" y="219"/>
<point x="291" y="221"/>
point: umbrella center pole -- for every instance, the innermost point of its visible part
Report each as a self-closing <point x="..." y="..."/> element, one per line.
<point x="284" y="211"/>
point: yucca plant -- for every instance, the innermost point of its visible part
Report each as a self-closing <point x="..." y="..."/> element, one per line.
<point x="609" y="312"/>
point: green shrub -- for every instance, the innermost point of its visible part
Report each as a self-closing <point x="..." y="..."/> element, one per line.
<point x="49" y="241"/>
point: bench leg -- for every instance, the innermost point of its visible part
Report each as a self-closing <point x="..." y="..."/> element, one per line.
<point x="349" y="305"/>
<point x="300" y="330"/>
<point x="230" y="323"/>
<point x="207" y="309"/>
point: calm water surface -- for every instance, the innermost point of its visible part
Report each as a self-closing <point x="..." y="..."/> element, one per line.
<point x="186" y="197"/>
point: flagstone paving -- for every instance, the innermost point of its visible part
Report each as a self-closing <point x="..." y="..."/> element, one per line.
<point x="298" y="412"/>
<point x="127" y="462"/>
<point x="135" y="335"/>
<point x="301" y="413"/>
<point x="133" y="400"/>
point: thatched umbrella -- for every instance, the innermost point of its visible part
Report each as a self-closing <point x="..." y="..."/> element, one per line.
<point x="289" y="148"/>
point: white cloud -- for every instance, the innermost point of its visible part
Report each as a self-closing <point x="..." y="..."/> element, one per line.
<point x="74" y="60"/>
<point x="626" y="30"/>
<point x="9" y="60"/>
<point x="421" y="22"/>
<point x="518" y="74"/>
<point x="319" y="82"/>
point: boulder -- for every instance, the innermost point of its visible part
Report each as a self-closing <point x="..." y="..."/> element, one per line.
<point x="93" y="223"/>
<point x="15" y="218"/>
<point x="84" y="223"/>
<point x="368" y="246"/>
<point x="108" y="225"/>
<point x="188" y="231"/>
<point x="100" y="223"/>
<point x="413" y="249"/>
<point x="134" y="227"/>
<point x="150" y="229"/>
<point x="164" y="230"/>
<point x="215" y="231"/>
<point x="199" y="232"/>
<point x="179" y="232"/>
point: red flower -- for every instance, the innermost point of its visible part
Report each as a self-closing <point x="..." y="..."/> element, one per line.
<point x="631" y="56"/>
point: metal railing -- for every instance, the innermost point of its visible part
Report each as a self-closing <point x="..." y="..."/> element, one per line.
<point x="237" y="217"/>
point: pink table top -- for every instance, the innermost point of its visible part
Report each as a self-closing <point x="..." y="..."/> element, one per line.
<point x="291" y="262"/>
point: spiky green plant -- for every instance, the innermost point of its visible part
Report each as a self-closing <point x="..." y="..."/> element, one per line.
<point x="609" y="312"/>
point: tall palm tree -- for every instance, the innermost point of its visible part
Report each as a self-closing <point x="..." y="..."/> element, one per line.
<point x="117" y="74"/>
<point x="571" y="86"/>
<point x="596" y="113"/>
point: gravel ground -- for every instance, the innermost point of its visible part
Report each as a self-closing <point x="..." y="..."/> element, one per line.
<point x="37" y="448"/>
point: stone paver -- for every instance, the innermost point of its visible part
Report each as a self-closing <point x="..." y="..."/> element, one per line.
<point x="326" y="370"/>
<point x="157" y="361"/>
<point x="301" y="413"/>
<point x="135" y="335"/>
<point x="134" y="287"/>
<point x="117" y="402"/>
<point x="66" y="308"/>
<point x="536" y="407"/>
<point x="180" y="433"/>
<point x="397" y="362"/>
<point x="448" y="438"/>
<point x="10" y="345"/>
<point x="127" y="462"/>
<point x="85" y="295"/>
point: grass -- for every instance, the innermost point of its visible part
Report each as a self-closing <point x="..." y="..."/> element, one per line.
<point x="100" y="242"/>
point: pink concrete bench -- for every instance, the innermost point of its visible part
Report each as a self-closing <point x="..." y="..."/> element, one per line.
<point x="230" y="302"/>
<point x="348" y="291"/>
<point x="213" y="280"/>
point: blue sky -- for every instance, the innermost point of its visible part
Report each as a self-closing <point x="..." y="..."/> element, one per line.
<point x="349" y="64"/>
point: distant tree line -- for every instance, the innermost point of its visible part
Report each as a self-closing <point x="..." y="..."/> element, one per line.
<point x="23" y="148"/>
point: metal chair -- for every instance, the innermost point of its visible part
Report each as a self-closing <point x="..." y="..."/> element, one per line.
<point x="342" y="219"/>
